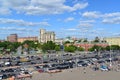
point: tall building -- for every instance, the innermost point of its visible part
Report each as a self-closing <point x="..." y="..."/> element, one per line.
<point x="46" y="36"/>
<point x="113" y="40"/>
<point x="12" y="38"/>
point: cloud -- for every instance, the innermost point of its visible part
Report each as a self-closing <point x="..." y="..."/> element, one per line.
<point x="115" y="20"/>
<point x="72" y="29"/>
<point x="14" y="28"/>
<point x="22" y="22"/>
<point x="40" y="7"/>
<point x="91" y="14"/>
<point x="107" y="18"/>
<point x="108" y="15"/>
<point x="96" y="14"/>
<point x="85" y="23"/>
<point x="69" y="19"/>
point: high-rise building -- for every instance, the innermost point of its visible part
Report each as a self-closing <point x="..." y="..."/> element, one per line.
<point x="12" y="38"/>
<point x="46" y="36"/>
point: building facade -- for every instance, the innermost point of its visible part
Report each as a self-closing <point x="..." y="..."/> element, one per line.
<point x="22" y="39"/>
<point x="12" y="38"/>
<point x="46" y="36"/>
<point x="88" y="45"/>
<point x="113" y="40"/>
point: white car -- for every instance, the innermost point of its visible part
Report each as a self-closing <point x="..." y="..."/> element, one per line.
<point x="1" y="77"/>
<point x="7" y="63"/>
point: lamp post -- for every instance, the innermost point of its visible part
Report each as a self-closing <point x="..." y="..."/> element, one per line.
<point x="110" y="56"/>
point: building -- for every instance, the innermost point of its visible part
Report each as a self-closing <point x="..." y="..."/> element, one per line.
<point x="46" y="36"/>
<point x="22" y="39"/>
<point x="59" y="41"/>
<point x="87" y="45"/>
<point x="12" y="38"/>
<point x="113" y="40"/>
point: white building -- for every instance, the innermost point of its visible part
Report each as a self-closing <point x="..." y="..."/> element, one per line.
<point x="46" y="36"/>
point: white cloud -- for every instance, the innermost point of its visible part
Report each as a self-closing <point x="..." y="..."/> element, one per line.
<point x="107" y="18"/>
<point x="72" y="29"/>
<point x="96" y="14"/>
<point x="69" y="19"/>
<point x="115" y="14"/>
<point x="38" y="7"/>
<point x="85" y="23"/>
<point x="91" y="14"/>
<point x="22" y="22"/>
<point x="115" y="20"/>
<point x="14" y="28"/>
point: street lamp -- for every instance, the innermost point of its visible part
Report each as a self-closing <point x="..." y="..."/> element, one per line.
<point x="110" y="55"/>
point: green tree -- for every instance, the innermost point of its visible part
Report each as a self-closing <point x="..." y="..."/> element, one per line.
<point x="97" y="39"/>
<point x="66" y="42"/>
<point x="70" y="48"/>
<point x="48" y="46"/>
<point x="57" y="47"/>
<point x="114" y="47"/>
<point x="31" y="44"/>
<point x="97" y="48"/>
<point x="85" y="40"/>
<point x="80" y="49"/>
<point x="107" y="48"/>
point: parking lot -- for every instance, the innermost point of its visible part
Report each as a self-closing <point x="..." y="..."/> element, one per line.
<point x="24" y="66"/>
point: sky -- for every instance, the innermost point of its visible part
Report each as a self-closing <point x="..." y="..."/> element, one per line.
<point x="76" y="18"/>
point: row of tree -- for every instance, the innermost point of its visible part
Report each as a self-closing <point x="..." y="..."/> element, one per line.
<point x="12" y="47"/>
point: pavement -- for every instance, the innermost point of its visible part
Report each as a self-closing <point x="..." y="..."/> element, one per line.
<point x="77" y="74"/>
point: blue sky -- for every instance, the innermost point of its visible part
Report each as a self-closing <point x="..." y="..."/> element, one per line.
<point x="76" y="18"/>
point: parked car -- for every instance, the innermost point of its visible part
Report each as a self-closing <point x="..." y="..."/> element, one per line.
<point x="53" y="70"/>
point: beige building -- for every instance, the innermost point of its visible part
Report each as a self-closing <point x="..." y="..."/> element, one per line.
<point x="113" y="40"/>
<point x="46" y="36"/>
<point x="22" y="39"/>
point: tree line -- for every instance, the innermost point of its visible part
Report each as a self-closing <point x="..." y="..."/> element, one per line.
<point x="49" y="46"/>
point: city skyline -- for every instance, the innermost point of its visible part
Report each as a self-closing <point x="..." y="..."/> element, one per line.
<point x="79" y="18"/>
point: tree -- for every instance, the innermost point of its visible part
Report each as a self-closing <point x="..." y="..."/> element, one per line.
<point x="9" y="46"/>
<point x="85" y="40"/>
<point x="66" y="42"/>
<point x="97" y="39"/>
<point x="79" y="40"/>
<point x="80" y="49"/>
<point x="57" y="47"/>
<point x="31" y="44"/>
<point x="97" y="48"/>
<point x="48" y="46"/>
<point x="114" y="47"/>
<point x="70" y="48"/>
<point x="107" y="48"/>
